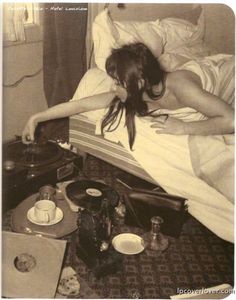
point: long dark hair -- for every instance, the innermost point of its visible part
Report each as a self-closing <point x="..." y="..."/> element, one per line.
<point x="128" y="65"/>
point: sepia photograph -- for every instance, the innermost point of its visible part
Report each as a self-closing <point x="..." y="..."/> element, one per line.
<point x="118" y="150"/>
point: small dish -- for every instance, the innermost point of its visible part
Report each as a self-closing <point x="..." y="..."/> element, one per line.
<point x="57" y="219"/>
<point x="128" y="243"/>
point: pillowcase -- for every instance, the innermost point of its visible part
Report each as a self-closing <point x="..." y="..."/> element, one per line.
<point x="166" y="36"/>
<point x="108" y="34"/>
<point x="182" y="41"/>
<point x="180" y="33"/>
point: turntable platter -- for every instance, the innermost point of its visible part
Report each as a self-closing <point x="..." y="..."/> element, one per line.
<point x="89" y="194"/>
<point x="33" y="155"/>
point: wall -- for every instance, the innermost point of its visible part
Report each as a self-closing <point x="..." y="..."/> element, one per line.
<point x="147" y="12"/>
<point x="220" y="27"/>
<point x="27" y="98"/>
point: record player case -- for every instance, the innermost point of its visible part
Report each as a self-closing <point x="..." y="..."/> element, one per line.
<point x="26" y="168"/>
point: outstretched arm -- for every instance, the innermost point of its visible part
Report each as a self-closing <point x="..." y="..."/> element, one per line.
<point x="189" y="93"/>
<point x="64" y="110"/>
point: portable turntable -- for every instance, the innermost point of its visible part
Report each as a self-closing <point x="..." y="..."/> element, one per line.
<point x="96" y="203"/>
<point x="91" y="195"/>
<point x="27" y="167"/>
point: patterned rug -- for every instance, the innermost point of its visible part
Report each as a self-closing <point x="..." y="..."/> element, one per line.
<point x="197" y="259"/>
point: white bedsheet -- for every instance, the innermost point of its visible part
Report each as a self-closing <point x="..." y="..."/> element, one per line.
<point x="205" y="180"/>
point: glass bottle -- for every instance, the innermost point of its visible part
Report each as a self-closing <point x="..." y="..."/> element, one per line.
<point x="47" y="192"/>
<point x="154" y="241"/>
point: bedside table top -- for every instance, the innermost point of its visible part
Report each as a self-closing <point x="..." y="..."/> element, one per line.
<point x="20" y="223"/>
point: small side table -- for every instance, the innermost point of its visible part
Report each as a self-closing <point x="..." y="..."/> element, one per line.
<point x="21" y="224"/>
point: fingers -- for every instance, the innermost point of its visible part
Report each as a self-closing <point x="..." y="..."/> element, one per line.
<point x="24" y="140"/>
<point x="27" y="137"/>
<point x="121" y="93"/>
<point x="161" y="118"/>
<point x="29" y="131"/>
<point x="160" y="128"/>
<point x="158" y="125"/>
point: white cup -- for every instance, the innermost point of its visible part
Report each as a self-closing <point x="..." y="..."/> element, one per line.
<point x="44" y="211"/>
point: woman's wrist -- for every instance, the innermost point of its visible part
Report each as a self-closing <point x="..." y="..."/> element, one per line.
<point x="37" y="118"/>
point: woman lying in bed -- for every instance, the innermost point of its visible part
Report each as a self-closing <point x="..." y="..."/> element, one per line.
<point x="142" y="88"/>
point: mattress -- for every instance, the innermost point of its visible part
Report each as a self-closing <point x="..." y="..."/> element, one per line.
<point x="82" y="136"/>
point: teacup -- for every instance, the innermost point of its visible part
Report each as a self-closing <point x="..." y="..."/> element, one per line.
<point x="44" y="211"/>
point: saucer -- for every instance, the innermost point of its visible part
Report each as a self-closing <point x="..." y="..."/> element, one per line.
<point x="128" y="243"/>
<point x="57" y="219"/>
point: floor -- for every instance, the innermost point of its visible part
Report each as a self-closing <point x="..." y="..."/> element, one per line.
<point x="197" y="259"/>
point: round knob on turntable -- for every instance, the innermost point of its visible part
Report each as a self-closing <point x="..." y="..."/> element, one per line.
<point x="104" y="246"/>
<point x="9" y="165"/>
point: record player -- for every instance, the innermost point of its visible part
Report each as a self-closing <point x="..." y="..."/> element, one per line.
<point x="26" y="168"/>
<point x="96" y="204"/>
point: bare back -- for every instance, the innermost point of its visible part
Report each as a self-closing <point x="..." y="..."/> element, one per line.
<point x="170" y="100"/>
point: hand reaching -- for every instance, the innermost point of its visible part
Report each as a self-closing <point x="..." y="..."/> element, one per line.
<point x="29" y="131"/>
<point x="168" y="125"/>
<point x="120" y="92"/>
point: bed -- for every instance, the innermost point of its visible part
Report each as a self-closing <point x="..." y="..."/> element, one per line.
<point x="182" y="165"/>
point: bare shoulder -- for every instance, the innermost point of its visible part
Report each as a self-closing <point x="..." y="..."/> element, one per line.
<point x="179" y="77"/>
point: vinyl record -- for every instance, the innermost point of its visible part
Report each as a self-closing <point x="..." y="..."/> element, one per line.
<point x="32" y="155"/>
<point x="89" y="194"/>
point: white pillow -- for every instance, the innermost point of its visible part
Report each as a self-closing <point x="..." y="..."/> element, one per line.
<point x="179" y="32"/>
<point x="170" y="35"/>
<point x="109" y="34"/>
<point x="184" y="41"/>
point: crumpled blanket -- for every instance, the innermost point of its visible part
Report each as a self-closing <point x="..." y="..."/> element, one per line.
<point x="208" y="153"/>
<point x="181" y="164"/>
